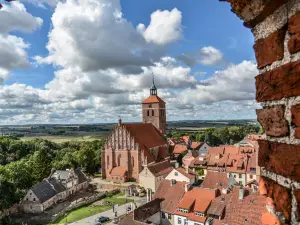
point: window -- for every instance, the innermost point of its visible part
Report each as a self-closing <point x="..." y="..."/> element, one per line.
<point x="199" y="214"/>
<point x="119" y="160"/>
<point x="34" y="199"/>
<point x="26" y="199"/>
<point x="240" y="182"/>
<point x="148" y="112"/>
<point x="163" y="215"/>
<point x="132" y="161"/>
<point x="185" y="222"/>
<point x="240" y="175"/>
<point x="152" y="112"/>
<point x="234" y="176"/>
<point x="169" y="216"/>
<point x="197" y="224"/>
<point x="179" y="220"/>
<point x="107" y="161"/>
<point x="176" y="174"/>
<point x="251" y="176"/>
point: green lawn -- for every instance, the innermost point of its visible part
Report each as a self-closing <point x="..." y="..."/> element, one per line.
<point x="90" y="210"/>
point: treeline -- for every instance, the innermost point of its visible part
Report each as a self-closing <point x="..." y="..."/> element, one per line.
<point x="25" y="163"/>
<point x="220" y="136"/>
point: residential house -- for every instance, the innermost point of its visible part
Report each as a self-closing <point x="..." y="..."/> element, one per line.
<point x="182" y="175"/>
<point x="218" y="180"/>
<point x="152" y="174"/>
<point x="179" y="149"/>
<point x="240" y="207"/>
<point x="148" y="213"/>
<point x="192" y="208"/>
<point x="171" y="192"/>
<point x="60" y="185"/>
<point x="189" y="157"/>
<point x="203" y="148"/>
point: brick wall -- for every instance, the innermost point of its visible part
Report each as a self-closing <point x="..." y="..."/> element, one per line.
<point x="275" y="25"/>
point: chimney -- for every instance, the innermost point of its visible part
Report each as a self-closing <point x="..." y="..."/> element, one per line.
<point x="186" y="169"/>
<point x="186" y="187"/>
<point x="241" y="194"/>
<point x="119" y="122"/>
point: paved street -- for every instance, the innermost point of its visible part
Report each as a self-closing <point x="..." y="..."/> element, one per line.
<point x="109" y="213"/>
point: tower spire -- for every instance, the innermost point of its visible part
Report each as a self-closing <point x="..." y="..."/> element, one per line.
<point x="153" y="89"/>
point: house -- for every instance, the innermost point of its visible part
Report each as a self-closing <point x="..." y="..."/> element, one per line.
<point x="203" y="147"/>
<point x="218" y="180"/>
<point x="240" y="207"/>
<point x="179" y="149"/>
<point x="152" y="174"/>
<point x="182" y="175"/>
<point x="171" y="192"/>
<point x="148" y="213"/>
<point x="189" y="157"/>
<point x="130" y="146"/>
<point x="193" y="207"/>
<point x="60" y="185"/>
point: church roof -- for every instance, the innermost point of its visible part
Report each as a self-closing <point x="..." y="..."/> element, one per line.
<point x="147" y="136"/>
<point x="153" y="99"/>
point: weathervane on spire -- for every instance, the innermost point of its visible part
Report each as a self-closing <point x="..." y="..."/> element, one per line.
<point x="153" y="89"/>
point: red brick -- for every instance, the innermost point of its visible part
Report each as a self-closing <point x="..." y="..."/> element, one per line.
<point x="273" y="121"/>
<point x="294" y="24"/>
<point x="281" y="196"/>
<point x="295" y="110"/>
<point x="270" y="49"/>
<point x="282" y="159"/>
<point x="294" y="43"/>
<point x="297" y="195"/>
<point x="279" y="83"/>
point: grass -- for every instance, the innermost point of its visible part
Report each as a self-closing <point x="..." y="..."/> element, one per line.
<point x="90" y="210"/>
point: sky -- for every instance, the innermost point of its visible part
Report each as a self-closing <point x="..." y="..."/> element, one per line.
<point x="90" y="61"/>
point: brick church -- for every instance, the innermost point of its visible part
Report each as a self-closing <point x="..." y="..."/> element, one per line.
<point x="129" y="147"/>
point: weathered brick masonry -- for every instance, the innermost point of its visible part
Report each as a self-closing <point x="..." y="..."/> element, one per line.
<point x="275" y="25"/>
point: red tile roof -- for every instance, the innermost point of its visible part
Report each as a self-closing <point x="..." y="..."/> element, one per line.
<point x="215" y="180"/>
<point x="147" y="136"/>
<point x="246" y="211"/>
<point x="197" y="196"/>
<point x="179" y="148"/>
<point x="160" y="168"/>
<point x="196" y="145"/>
<point x="189" y="175"/>
<point x="118" y="171"/>
<point x="153" y="99"/>
<point x="231" y="149"/>
<point x="170" y="193"/>
<point x="215" y="150"/>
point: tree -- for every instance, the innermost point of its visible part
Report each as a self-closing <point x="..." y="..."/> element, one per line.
<point x="41" y="164"/>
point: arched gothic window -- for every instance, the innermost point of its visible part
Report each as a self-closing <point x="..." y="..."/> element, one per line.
<point x="152" y="112"/>
<point x="132" y="161"/>
<point x="119" y="160"/>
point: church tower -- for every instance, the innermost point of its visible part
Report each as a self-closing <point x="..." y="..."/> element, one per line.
<point x="154" y="110"/>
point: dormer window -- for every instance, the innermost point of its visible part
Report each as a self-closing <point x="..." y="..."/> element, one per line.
<point x="200" y="214"/>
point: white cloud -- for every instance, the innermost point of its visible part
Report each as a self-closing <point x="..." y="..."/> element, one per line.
<point x="94" y="35"/>
<point x="207" y="56"/>
<point x="164" y="28"/>
<point x="12" y="55"/>
<point x="234" y="83"/>
<point x="14" y="17"/>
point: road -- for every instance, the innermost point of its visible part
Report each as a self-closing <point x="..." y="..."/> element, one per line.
<point x="121" y="211"/>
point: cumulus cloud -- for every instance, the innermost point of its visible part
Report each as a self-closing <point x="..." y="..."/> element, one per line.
<point x="14" y="17"/>
<point x="235" y="83"/>
<point x="165" y="27"/>
<point x="205" y="56"/>
<point x="94" y="35"/>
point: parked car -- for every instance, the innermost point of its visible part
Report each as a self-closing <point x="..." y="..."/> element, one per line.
<point x="103" y="219"/>
<point x="97" y="223"/>
<point x="128" y="209"/>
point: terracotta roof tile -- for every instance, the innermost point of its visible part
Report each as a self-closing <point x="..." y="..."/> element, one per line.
<point x="160" y="168"/>
<point x="231" y="149"/>
<point x="153" y="99"/>
<point x="196" y="145"/>
<point x="216" y="180"/>
<point x="215" y="150"/>
<point x="189" y="175"/>
<point x="170" y="193"/>
<point x="179" y="148"/>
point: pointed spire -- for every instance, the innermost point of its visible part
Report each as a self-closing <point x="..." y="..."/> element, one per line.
<point x="153" y="90"/>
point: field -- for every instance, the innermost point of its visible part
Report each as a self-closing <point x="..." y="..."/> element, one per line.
<point x="78" y="136"/>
